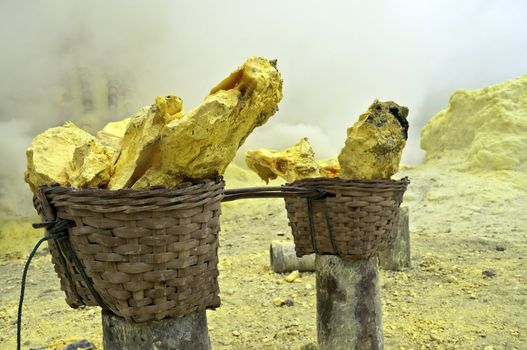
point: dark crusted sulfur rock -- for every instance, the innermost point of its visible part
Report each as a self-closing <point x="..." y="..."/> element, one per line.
<point x="375" y="143"/>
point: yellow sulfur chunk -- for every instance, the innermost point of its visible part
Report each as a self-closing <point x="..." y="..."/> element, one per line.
<point x="112" y="134"/>
<point x="329" y="167"/>
<point x="57" y="156"/>
<point x="375" y="143"/>
<point x="141" y="141"/>
<point x="201" y="143"/>
<point x="92" y="165"/>
<point x="291" y="164"/>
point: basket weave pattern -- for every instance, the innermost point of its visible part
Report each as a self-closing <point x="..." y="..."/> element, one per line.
<point x="359" y="217"/>
<point x="149" y="254"/>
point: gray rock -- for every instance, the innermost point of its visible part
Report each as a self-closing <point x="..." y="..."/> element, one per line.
<point x="83" y="344"/>
<point x="500" y="247"/>
<point x="489" y="273"/>
<point x="288" y="302"/>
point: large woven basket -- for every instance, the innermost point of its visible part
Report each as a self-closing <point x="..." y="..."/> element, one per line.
<point x="354" y="221"/>
<point x="148" y="254"/>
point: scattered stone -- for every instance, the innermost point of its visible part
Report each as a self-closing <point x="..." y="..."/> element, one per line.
<point x="283" y="302"/>
<point x="500" y="247"/>
<point x="83" y="344"/>
<point x="278" y="301"/>
<point x="225" y="342"/>
<point x="451" y="279"/>
<point x="236" y="333"/>
<point x="292" y="276"/>
<point x="489" y="273"/>
<point x="288" y="302"/>
<point x="435" y="337"/>
<point x="309" y="346"/>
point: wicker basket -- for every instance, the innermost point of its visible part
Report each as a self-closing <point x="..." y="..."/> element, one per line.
<point x="353" y="222"/>
<point x="148" y="254"/>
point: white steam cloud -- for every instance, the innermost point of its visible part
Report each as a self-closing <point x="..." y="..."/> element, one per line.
<point x="59" y="60"/>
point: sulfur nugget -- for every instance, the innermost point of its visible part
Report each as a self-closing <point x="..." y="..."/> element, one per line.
<point x="69" y="156"/>
<point x="293" y="163"/>
<point x="375" y="143"/>
<point x="201" y="143"/>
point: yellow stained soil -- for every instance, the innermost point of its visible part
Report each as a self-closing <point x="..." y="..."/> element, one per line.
<point x="442" y="302"/>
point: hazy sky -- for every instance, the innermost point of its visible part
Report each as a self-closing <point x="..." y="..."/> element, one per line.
<point x="335" y="58"/>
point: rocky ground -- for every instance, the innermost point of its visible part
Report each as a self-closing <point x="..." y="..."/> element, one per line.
<point x="467" y="288"/>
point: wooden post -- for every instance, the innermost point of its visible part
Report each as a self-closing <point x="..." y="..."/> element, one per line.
<point x="283" y="258"/>
<point x="349" y="313"/>
<point x="189" y="332"/>
<point x="396" y="256"/>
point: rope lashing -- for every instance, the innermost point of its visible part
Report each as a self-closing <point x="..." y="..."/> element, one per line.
<point x="58" y="232"/>
<point x="321" y="194"/>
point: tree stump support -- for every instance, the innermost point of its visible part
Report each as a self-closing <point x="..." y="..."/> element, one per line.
<point x="349" y="315"/>
<point x="189" y="332"/>
<point x="283" y="258"/>
<point x="396" y="256"/>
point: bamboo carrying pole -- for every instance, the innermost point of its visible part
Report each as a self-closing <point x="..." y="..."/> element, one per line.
<point x="188" y="332"/>
<point x="349" y="315"/>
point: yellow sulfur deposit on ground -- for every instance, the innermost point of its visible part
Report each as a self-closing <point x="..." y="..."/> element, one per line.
<point x="294" y="163"/>
<point x="201" y="143"/>
<point x="375" y="143"/>
<point x="52" y="159"/>
<point x="140" y="144"/>
<point x="481" y="130"/>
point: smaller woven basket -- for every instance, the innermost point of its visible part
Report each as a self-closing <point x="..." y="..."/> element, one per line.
<point x="354" y="221"/>
<point x="148" y="254"/>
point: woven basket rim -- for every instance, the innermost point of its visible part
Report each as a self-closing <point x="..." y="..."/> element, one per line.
<point x="129" y="192"/>
<point x="337" y="181"/>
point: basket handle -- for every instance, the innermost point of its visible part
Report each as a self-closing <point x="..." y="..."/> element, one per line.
<point x="275" y="192"/>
